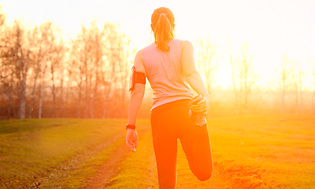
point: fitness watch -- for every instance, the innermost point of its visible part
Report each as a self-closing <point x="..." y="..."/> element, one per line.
<point x="130" y="127"/>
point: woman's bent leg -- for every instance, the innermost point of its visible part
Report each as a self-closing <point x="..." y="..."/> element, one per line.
<point x="169" y="123"/>
<point x="196" y="145"/>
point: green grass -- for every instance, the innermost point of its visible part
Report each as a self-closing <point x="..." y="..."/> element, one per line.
<point x="265" y="151"/>
<point x="138" y="170"/>
<point x="249" y="152"/>
<point x="269" y="151"/>
<point x="55" y="152"/>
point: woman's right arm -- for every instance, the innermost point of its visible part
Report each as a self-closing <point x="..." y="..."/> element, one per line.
<point x="193" y="77"/>
<point x="136" y="97"/>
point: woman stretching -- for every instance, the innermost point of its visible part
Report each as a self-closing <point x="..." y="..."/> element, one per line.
<point x="169" y="65"/>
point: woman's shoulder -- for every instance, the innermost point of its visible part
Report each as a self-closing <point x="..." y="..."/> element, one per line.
<point x="185" y="44"/>
<point x="138" y="62"/>
<point x="140" y="54"/>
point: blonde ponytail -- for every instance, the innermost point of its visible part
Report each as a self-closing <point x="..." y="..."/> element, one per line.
<point x="162" y="24"/>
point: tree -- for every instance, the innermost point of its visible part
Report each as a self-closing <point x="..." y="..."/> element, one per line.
<point x="6" y="68"/>
<point x="300" y="84"/>
<point x="48" y="37"/>
<point x="127" y="61"/>
<point x="115" y="70"/>
<point x="235" y="77"/>
<point x="21" y="57"/>
<point x="56" y="59"/>
<point x="82" y="52"/>
<point x="248" y="77"/>
<point x="37" y="58"/>
<point x="297" y="77"/>
<point x="7" y="81"/>
<point x="283" y="83"/>
<point x="244" y="78"/>
<point x="55" y="54"/>
<point x="97" y="40"/>
<point x="36" y="70"/>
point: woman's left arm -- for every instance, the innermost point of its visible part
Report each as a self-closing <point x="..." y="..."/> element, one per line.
<point x="136" y="97"/>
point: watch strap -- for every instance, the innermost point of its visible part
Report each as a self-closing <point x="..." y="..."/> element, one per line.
<point x="130" y="127"/>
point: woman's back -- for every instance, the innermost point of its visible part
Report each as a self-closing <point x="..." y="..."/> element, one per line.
<point x="168" y="63"/>
<point x="165" y="73"/>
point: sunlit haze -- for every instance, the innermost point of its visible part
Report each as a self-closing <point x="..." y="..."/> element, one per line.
<point x="270" y="27"/>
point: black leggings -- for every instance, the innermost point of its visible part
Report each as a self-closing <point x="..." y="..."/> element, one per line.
<point x="170" y="122"/>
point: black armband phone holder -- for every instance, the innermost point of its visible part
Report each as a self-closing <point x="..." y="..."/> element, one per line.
<point x="136" y="77"/>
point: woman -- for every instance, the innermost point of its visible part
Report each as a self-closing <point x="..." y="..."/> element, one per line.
<point x="168" y="64"/>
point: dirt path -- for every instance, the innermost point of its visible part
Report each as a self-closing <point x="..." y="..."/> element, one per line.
<point x="185" y="178"/>
<point x="63" y="170"/>
<point x="109" y="168"/>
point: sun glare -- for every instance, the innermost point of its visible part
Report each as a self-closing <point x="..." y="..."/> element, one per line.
<point x="269" y="28"/>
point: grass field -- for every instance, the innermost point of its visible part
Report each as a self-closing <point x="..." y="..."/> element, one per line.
<point x="56" y="153"/>
<point x="249" y="152"/>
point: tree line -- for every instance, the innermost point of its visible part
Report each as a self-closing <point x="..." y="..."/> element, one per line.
<point x="289" y="93"/>
<point x="44" y="74"/>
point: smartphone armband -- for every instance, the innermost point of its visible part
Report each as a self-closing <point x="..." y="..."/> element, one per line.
<point x="136" y="77"/>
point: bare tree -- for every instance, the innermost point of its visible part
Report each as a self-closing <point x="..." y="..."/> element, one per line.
<point x="48" y="38"/>
<point x="235" y="77"/>
<point x="244" y="78"/>
<point x="80" y="92"/>
<point x="82" y="56"/>
<point x="69" y="72"/>
<point x="296" y="83"/>
<point x="94" y="76"/>
<point x="283" y="84"/>
<point x="300" y="84"/>
<point x="52" y="69"/>
<point x="87" y="59"/>
<point x="127" y="61"/>
<point x="55" y="60"/>
<point x="21" y="57"/>
<point x="55" y="55"/>
<point x="75" y="72"/>
<point x="97" y="40"/>
<point x="37" y="58"/>
<point x="102" y="56"/>
<point x="7" y="81"/>
<point x="6" y="67"/>
<point x="40" y="106"/>
<point x="109" y="68"/>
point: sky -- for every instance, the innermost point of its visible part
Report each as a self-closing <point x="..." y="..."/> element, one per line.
<point x="269" y="27"/>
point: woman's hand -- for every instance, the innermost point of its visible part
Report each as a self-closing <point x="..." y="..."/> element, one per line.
<point x="202" y="106"/>
<point x="132" y="139"/>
